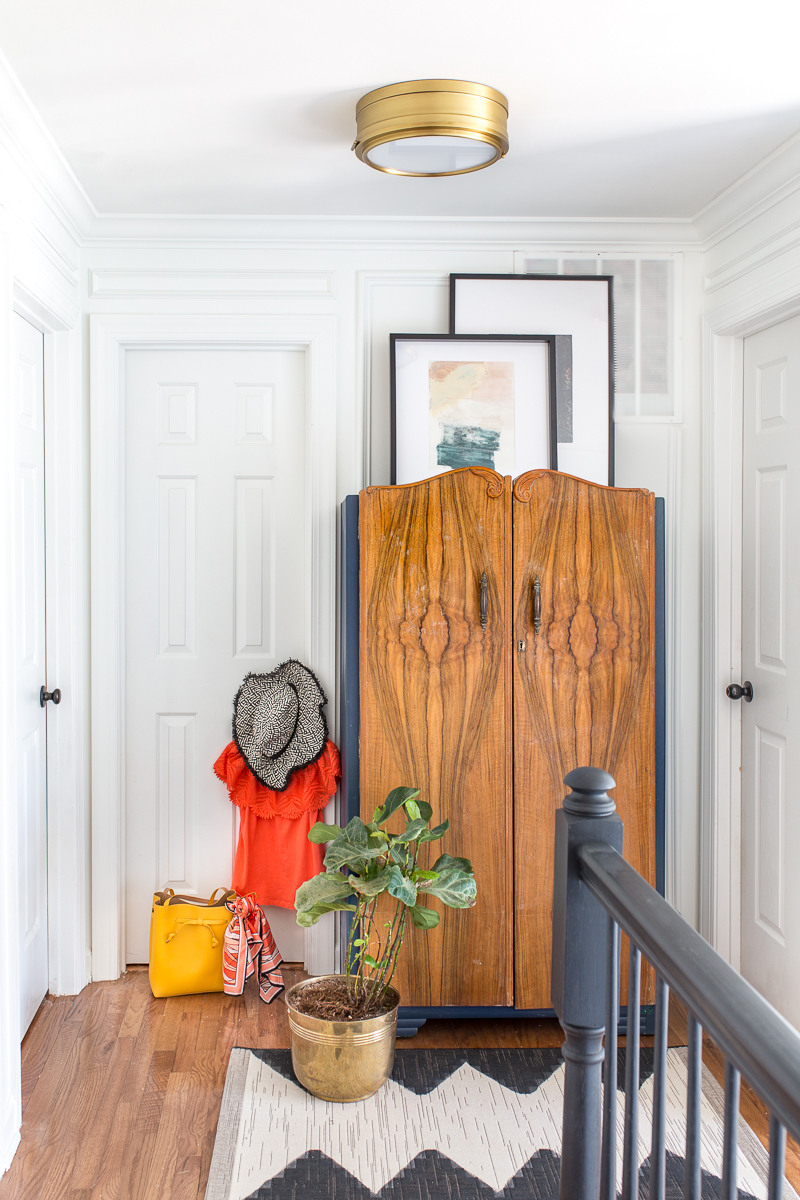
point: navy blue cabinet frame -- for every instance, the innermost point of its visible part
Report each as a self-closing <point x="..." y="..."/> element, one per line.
<point x="410" y="1019"/>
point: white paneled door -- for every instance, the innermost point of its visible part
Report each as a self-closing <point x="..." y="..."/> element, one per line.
<point x="770" y="916"/>
<point x="31" y="665"/>
<point x="216" y="585"/>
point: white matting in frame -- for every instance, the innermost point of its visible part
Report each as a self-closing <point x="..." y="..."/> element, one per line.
<point x="480" y="400"/>
<point x="580" y="306"/>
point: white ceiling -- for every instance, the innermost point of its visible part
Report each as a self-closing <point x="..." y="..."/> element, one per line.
<point x="617" y="108"/>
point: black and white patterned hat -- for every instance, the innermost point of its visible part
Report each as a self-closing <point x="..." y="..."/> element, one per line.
<point x="278" y="724"/>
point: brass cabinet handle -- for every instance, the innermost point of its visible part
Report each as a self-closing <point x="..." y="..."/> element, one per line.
<point x="537" y="604"/>
<point x="484" y="601"/>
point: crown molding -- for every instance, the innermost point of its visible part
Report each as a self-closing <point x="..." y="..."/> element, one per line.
<point x="379" y="232"/>
<point x="766" y="185"/>
<point x="33" y="151"/>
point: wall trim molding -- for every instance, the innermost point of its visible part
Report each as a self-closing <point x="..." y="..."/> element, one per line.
<point x="344" y="232"/>
<point x="110" y="283"/>
<point x="36" y="154"/>
<point x="767" y="184"/>
<point x="110" y="338"/>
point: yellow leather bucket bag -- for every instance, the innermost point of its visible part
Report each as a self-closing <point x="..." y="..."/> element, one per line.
<point x="186" y="939"/>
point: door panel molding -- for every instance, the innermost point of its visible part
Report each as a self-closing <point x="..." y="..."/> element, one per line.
<point x="110" y="338"/>
<point x="724" y="331"/>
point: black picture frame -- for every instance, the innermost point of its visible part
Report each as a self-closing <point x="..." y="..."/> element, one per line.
<point x="456" y="339"/>
<point x="530" y="277"/>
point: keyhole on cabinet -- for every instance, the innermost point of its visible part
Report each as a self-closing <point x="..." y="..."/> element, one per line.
<point x="521" y="646"/>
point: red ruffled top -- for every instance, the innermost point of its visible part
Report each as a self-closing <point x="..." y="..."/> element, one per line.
<point x="274" y="855"/>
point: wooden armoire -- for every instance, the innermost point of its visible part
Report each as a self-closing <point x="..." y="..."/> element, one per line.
<point x="504" y="634"/>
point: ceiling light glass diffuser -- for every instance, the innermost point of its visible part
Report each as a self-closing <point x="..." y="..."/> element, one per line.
<point x="431" y="127"/>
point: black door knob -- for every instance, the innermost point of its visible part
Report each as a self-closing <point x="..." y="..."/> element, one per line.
<point x="44" y="696"/>
<point x="735" y="692"/>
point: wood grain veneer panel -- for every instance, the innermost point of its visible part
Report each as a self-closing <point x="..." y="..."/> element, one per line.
<point x="584" y="686"/>
<point x="436" y="709"/>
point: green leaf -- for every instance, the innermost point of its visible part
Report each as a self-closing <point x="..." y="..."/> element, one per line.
<point x="310" y="917"/>
<point x="444" y="862"/>
<point x="351" y="848"/>
<point x="320" y="833"/>
<point x="425" y="875"/>
<point x="424" y="918"/>
<point x="412" y="831"/>
<point x="433" y="835"/>
<point x="455" y="888"/>
<point x="401" y="887"/>
<point x="412" y="810"/>
<point x="396" y="799"/>
<point x="326" y="888"/>
<point x="370" y="961"/>
<point x="372" y="887"/>
<point x="398" y="854"/>
<point x="425" y="810"/>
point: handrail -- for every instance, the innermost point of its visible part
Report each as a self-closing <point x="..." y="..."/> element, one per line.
<point x="745" y="1026"/>
<point x="596" y="894"/>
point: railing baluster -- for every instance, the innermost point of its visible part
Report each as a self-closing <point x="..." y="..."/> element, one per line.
<point x="630" y="1152"/>
<point x="777" y="1155"/>
<point x="692" y="1178"/>
<point x="732" y="1085"/>
<point x="657" y="1151"/>
<point x="608" y="1162"/>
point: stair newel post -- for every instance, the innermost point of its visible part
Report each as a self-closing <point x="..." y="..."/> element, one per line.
<point x="578" y="986"/>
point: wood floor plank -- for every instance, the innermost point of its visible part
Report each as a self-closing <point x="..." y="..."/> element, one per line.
<point x="187" y="1033"/>
<point x="133" y="1180"/>
<point x="173" y="1015"/>
<point x="157" y="1182"/>
<point x="108" y="1179"/>
<point x="40" y="1040"/>
<point x="141" y="999"/>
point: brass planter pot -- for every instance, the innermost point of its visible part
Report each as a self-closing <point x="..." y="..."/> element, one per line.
<point x="343" y="1061"/>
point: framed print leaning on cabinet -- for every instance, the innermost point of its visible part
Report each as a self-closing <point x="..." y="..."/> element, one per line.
<point x="471" y="401"/>
<point x="580" y="307"/>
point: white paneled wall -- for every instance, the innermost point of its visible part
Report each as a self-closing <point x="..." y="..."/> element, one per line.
<point x="372" y="292"/>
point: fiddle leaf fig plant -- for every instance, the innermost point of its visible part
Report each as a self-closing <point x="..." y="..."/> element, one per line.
<point x="362" y="863"/>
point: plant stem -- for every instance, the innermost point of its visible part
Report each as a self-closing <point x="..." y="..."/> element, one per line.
<point x="354" y="926"/>
<point x="392" y="963"/>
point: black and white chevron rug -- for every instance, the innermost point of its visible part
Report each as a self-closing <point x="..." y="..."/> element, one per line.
<point x="449" y="1125"/>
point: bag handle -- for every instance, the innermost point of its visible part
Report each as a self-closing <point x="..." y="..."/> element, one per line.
<point x="169" y="897"/>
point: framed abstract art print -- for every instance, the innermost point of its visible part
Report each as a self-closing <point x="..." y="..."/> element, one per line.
<point x="471" y="400"/>
<point x="578" y="311"/>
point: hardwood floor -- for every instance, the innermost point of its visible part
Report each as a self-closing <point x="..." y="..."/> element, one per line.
<point x="121" y="1092"/>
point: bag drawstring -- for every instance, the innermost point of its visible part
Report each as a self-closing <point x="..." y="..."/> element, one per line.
<point x="198" y="921"/>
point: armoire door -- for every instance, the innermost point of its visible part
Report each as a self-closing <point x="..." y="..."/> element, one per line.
<point x="584" y="684"/>
<point x="436" y="708"/>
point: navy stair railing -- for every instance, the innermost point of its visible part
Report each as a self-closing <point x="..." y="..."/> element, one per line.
<point x="597" y="895"/>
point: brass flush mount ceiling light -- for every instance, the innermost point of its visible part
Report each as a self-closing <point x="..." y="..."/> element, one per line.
<point x="431" y="127"/>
